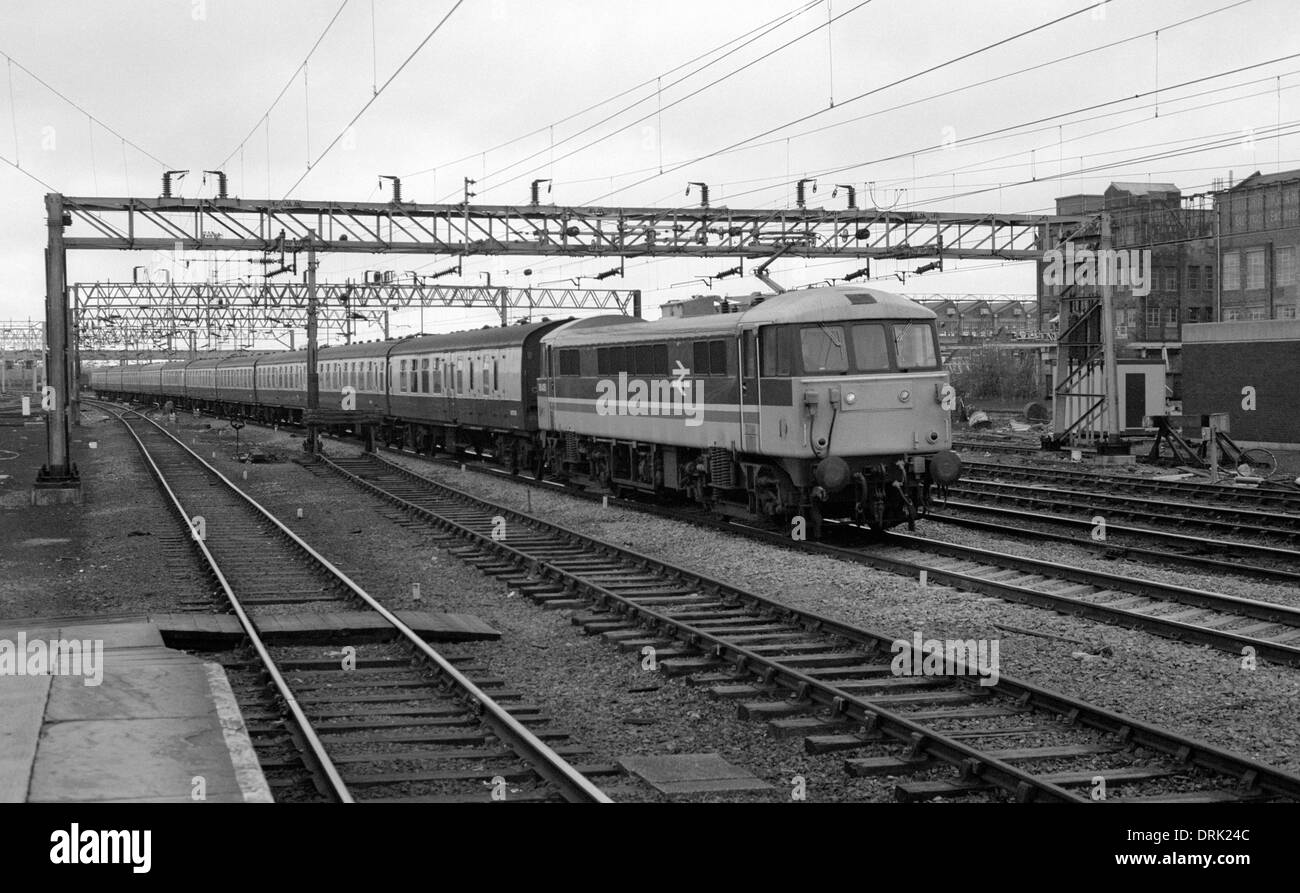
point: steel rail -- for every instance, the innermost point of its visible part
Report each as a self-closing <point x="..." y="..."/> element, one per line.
<point x="1288" y="497"/>
<point x="1276" y="552"/>
<point x="551" y="766"/>
<point x="1181" y="748"/>
<point x="1224" y="640"/>
<point x="317" y="753"/>
<point x="1109" y="546"/>
<point x="1251" y="521"/>
<point x="969" y="760"/>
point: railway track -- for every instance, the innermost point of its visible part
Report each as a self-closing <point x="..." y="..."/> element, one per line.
<point x="401" y="722"/>
<point x="832" y="683"/>
<point x="1169" y="513"/>
<point x="1225" y="622"/>
<point x="1197" y="492"/>
<point x="997" y="446"/>
<point x="1121" y="541"/>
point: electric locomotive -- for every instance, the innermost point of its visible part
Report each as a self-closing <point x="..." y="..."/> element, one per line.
<point x="824" y="402"/>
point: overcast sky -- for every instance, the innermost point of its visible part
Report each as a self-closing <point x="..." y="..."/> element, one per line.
<point x="186" y="81"/>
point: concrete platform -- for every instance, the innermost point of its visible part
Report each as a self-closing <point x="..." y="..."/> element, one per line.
<point x="120" y="719"/>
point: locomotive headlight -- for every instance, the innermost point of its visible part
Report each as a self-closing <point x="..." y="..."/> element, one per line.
<point x="850" y="398"/>
<point x="904" y="396"/>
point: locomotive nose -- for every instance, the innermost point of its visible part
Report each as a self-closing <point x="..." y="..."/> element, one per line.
<point x="832" y="474"/>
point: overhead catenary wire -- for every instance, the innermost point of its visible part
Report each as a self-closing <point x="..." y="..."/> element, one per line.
<point x="934" y="147"/>
<point x="369" y="102"/>
<point x="12" y="62"/>
<point x="285" y="89"/>
<point x="873" y="91"/>
<point x="787" y="16"/>
<point x="678" y="101"/>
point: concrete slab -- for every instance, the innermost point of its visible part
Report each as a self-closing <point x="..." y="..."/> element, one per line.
<point x="116" y="635"/>
<point x="22" y="704"/>
<point x="134" y="690"/>
<point x="692" y="773"/>
<point x="157" y="721"/>
<point x="103" y="759"/>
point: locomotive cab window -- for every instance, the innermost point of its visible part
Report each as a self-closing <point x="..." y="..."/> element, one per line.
<point x="824" y="350"/>
<point x="870" y="349"/>
<point x="915" y="347"/>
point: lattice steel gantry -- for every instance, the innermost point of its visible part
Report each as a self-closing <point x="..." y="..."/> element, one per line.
<point x="232" y="224"/>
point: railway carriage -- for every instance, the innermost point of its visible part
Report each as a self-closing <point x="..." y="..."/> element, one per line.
<point x="280" y="380"/>
<point x="468" y="389"/>
<point x="236" y="392"/>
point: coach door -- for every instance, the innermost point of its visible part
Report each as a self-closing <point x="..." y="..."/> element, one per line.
<point x="749" y="398"/>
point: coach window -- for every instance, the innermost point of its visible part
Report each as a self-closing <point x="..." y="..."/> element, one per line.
<point x="460" y="376"/>
<point x="661" y="365"/>
<point x="569" y="363"/>
<point x="602" y="361"/>
<point x="496" y="380"/>
<point x="717" y="358"/>
<point x="401" y="377"/>
<point x="700" y="358"/>
<point x="823" y="349"/>
<point x="471" y="375"/>
<point x="776" y="350"/>
<point x="643" y="360"/>
<point x="870" y="350"/>
<point x="424" y="375"/>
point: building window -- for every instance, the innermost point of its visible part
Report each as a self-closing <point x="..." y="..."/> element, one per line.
<point x="1193" y="314"/>
<point x="1153" y="315"/>
<point x="1284" y="266"/>
<point x="1257" y="313"/>
<point x="1237" y="203"/>
<point x="1256" y="210"/>
<point x="1286" y="313"/>
<point x="1291" y="206"/>
<point x="1231" y="271"/>
<point x="1255" y="268"/>
<point x="1231" y="315"/>
<point x="1193" y="278"/>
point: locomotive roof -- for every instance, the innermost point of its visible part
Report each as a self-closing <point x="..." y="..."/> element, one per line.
<point x="804" y="305"/>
